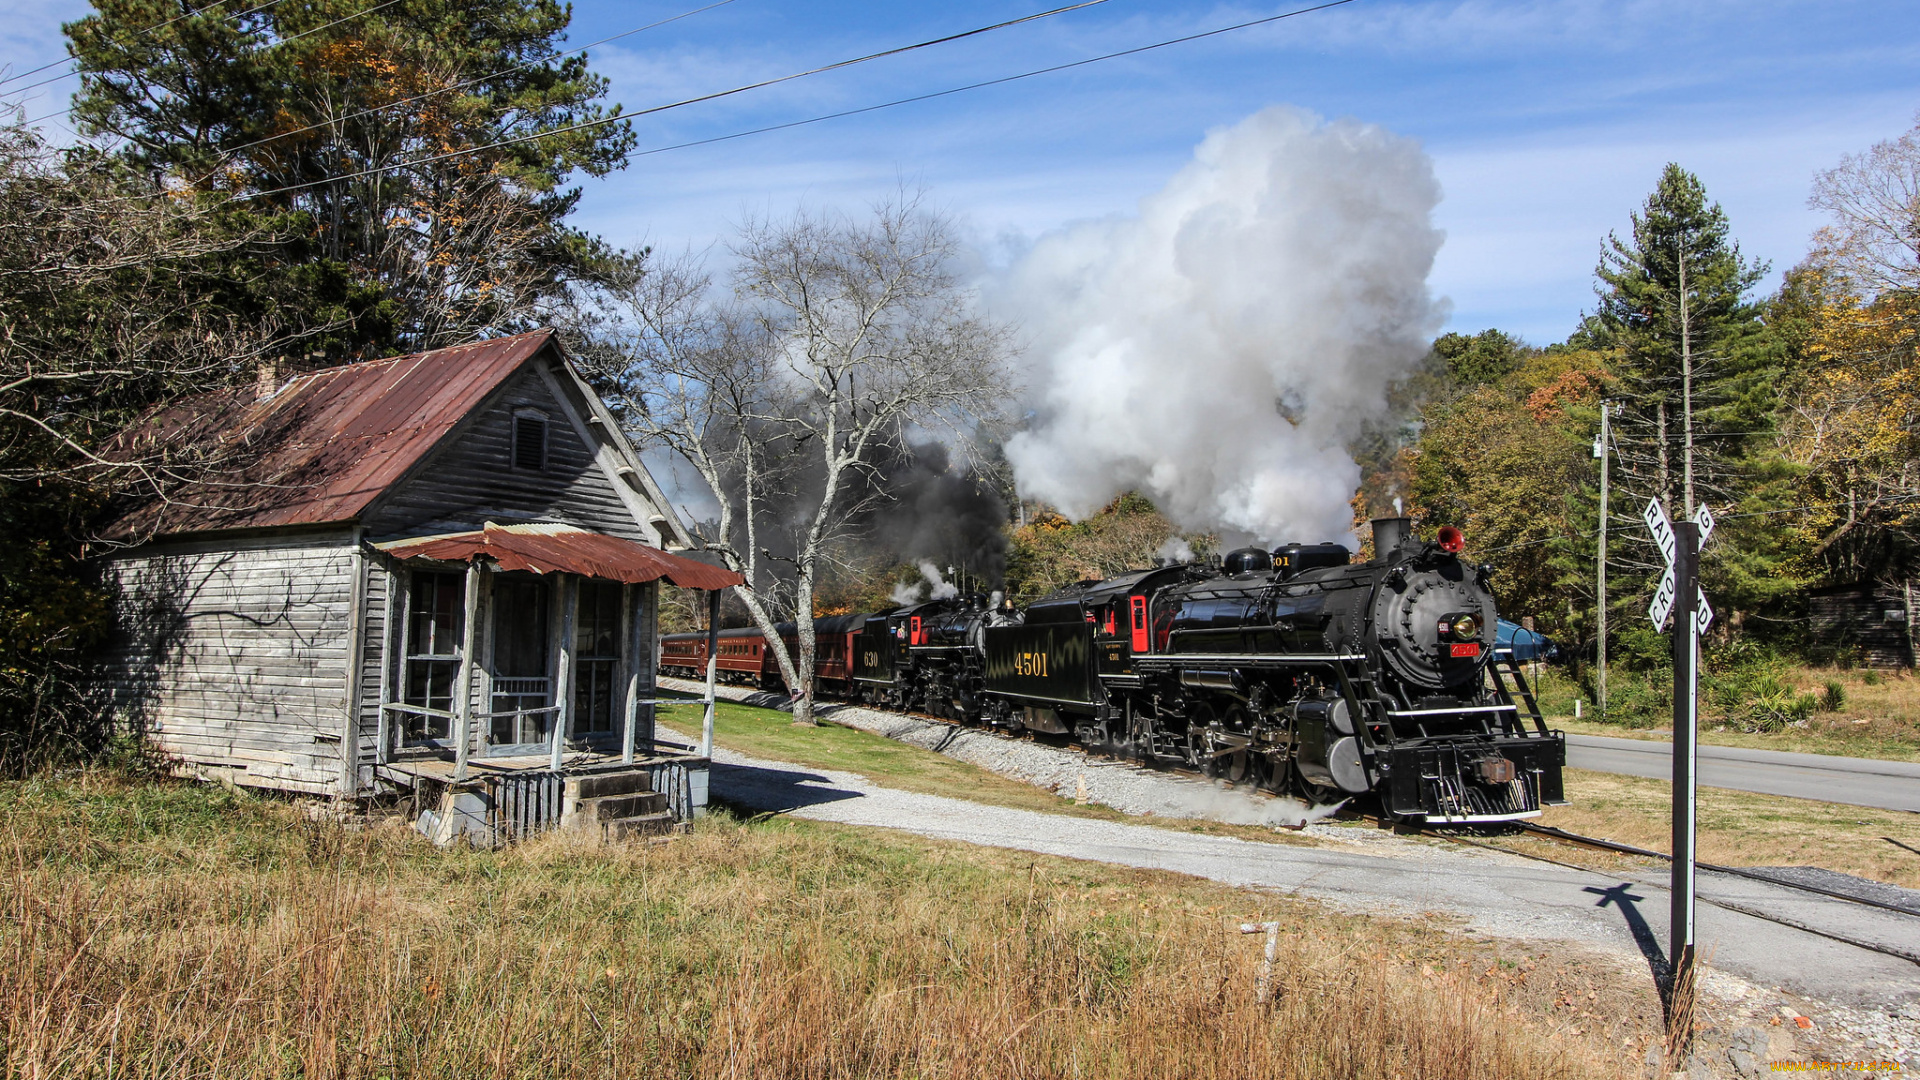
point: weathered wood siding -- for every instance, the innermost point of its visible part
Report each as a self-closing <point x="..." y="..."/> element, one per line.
<point x="470" y="480"/>
<point x="233" y="653"/>
<point x="1870" y="620"/>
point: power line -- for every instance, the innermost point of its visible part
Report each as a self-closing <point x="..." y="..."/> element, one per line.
<point x="1582" y="535"/>
<point x="716" y="95"/>
<point x="989" y="82"/>
<point x="475" y="81"/>
<point x="137" y="33"/>
<point x="449" y="155"/>
<point x="68" y="111"/>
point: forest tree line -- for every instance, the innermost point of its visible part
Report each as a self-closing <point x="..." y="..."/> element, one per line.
<point x="294" y="186"/>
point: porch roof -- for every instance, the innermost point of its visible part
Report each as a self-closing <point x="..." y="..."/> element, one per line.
<point x="546" y="549"/>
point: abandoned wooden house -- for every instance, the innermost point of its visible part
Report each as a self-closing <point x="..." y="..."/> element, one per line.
<point x="433" y="574"/>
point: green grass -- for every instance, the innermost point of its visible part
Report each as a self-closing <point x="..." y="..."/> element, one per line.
<point x="772" y="734"/>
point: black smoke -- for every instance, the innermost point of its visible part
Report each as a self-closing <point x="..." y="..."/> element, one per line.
<point x="926" y="506"/>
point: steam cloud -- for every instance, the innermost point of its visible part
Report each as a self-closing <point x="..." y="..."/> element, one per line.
<point x="1219" y="351"/>
<point x="934" y="587"/>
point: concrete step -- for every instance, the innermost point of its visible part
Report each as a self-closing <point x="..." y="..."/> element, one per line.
<point x="613" y="807"/>
<point x="601" y="785"/>
<point x="661" y="824"/>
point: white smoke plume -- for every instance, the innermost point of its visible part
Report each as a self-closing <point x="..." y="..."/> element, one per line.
<point x="1218" y="351"/>
<point x="1175" y="550"/>
<point x="932" y="587"/>
<point x="938" y="588"/>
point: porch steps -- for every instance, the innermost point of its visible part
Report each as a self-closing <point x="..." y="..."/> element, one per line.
<point x="621" y="804"/>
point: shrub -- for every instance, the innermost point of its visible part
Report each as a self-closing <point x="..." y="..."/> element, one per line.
<point x="1834" y="698"/>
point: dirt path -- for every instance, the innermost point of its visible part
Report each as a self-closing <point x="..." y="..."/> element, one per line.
<point x="1868" y="1000"/>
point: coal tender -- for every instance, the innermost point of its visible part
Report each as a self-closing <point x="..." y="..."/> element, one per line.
<point x="1294" y="669"/>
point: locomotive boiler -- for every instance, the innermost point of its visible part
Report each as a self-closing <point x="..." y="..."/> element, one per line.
<point x="1295" y="669"/>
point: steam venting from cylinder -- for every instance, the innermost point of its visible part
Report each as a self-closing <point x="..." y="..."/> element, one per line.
<point x="1218" y="351"/>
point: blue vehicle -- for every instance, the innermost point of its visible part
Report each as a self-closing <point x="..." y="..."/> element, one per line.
<point x="1525" y="645"/>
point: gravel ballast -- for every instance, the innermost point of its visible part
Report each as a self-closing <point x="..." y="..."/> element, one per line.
<point x="1867" y="1000"/>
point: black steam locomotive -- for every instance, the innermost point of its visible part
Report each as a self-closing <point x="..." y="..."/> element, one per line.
<point x="1295" y="670"/>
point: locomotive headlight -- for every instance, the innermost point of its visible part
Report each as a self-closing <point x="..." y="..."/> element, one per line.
<point x="1466" y="627"/>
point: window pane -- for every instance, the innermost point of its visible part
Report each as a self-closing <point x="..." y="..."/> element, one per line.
<point x="520" y="609"/>
<point x="597" y="625"/>
<point x="438" y="602"/>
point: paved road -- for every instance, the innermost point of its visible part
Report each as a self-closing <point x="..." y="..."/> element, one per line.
<point x="1371" y="870"/>
<point x="1889" y="785"/>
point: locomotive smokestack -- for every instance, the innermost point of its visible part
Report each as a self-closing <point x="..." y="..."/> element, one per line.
<point x="1388" y="534"/>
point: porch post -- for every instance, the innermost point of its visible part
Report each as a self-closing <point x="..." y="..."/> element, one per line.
<point x="463" y="693"/>
<point x="393" y="642"/>
<point x="713" y="670"/>
<point x="563" y="676"/>
<point x="630" y="633"/>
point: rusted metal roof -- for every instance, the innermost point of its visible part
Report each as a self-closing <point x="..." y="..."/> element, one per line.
<point x="322" y="448"/>
<point x="547" y="549"/>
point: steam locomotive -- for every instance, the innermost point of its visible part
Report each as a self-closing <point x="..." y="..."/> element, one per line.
<point x="1295" y="670"/>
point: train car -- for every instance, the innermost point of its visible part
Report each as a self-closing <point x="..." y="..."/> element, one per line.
<point x="744" y="658"/>
<point x="1293" y="669"/>
<point x="1296" y="670"/>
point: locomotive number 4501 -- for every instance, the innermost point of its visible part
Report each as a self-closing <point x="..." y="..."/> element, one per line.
<point x="1030" y="663"/>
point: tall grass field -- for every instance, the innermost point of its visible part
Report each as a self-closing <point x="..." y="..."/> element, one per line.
<point x="152" y="928"/>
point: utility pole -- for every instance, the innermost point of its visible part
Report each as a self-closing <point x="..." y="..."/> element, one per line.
<point x="1603" y="450"/>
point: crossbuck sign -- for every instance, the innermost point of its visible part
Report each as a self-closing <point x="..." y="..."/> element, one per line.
<point x="1682" y="573"/>
<point x="1662" y="529"/>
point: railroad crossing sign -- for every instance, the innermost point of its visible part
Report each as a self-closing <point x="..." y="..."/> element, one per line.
<point x="1683" y="573"/>
<point x="1662" y="529"/>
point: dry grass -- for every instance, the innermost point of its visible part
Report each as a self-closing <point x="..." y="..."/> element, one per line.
<point x="1741" y="829"/>
<point x="1880" y="717"/>
<point x="166" y="930"/>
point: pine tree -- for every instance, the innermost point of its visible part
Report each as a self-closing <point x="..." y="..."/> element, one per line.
<point x="338" y="118"/>
<point x="1697" y="369"/>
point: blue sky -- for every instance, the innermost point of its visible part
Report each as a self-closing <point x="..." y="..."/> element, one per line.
<point x="1548" y="122"/>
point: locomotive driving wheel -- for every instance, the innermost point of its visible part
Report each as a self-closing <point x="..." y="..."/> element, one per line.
<point x="1199" y="742"/>
<point x="1232" y="765"/>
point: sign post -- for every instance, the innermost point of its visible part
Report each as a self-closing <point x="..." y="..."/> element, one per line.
<point x="1686" y="637"/>
<point x="1679" y="595"/>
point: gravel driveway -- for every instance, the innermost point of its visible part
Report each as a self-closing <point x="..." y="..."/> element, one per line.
<point x="1356" y="868"/>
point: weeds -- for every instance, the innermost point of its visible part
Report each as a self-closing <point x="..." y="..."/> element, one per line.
<point x="140" y="935"/>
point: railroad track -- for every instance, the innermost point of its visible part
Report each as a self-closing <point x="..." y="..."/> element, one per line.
<point x="1548" y="832"/>
<point x="1575" y="839"/>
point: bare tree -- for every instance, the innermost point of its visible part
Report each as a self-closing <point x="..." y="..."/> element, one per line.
<point x="104" y="314"/>
<point x="698" y="378"/>
<point x="842" y="337"/>
<point x="1873" y="240"/>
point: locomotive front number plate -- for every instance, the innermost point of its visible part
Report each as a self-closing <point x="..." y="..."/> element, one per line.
<point x="1467" y="648"/>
